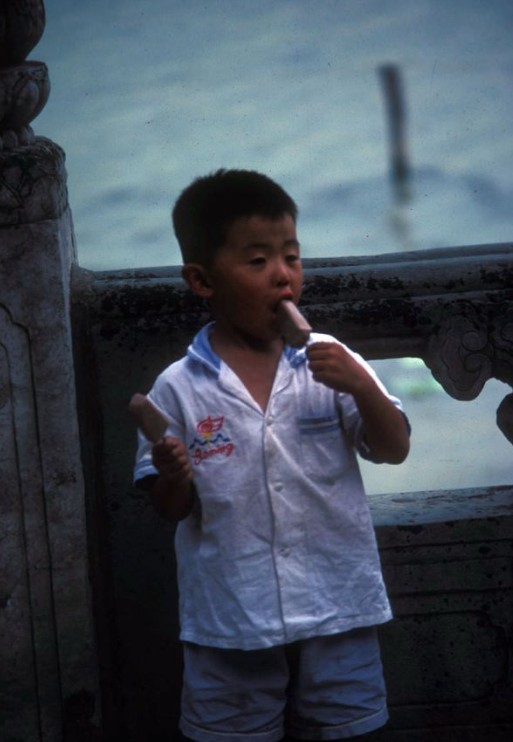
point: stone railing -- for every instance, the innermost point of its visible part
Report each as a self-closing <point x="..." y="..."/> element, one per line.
<point x="445" y="554"/>
<point x="451" y="307"/>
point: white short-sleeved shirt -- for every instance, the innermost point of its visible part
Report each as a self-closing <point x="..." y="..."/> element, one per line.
<point x="280" y="545"/>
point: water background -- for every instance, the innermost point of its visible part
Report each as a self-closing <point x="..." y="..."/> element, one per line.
<point x="148" y="94"/>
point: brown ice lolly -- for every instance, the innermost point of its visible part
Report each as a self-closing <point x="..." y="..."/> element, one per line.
<point x="148" y="417"/>
<point x="294" y="327"/>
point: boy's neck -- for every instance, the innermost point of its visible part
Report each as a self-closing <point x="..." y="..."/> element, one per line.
<point x="254" y="361"/>
<point x="225" y="341"/>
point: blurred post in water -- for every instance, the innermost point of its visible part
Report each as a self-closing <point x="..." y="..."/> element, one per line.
<point x="394" y="102"/>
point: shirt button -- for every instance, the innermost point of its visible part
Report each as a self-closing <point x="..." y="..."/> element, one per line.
<point x="278" y="487"/>
<point x="285" y="551"/>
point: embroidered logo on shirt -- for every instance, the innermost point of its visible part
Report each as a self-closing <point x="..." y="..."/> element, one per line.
<point x="210" y="441"/>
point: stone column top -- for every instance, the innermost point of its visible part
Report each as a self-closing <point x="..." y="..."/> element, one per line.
<point x="24" y="85"/>
<point x="32" y="183"/>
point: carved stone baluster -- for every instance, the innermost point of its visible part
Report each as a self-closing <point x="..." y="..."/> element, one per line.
<point x="459" y="354"/>
<point x="24" y="85"/>
<point x="505" y="417"/>
<point x="469" y="348"/>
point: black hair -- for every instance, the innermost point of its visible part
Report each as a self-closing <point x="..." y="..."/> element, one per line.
<point x="206" y="209"/>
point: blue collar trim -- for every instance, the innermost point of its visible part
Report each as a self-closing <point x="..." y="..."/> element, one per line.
<point x="201" y="350"/>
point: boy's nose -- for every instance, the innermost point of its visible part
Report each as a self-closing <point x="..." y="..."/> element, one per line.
<point x="282" y="275"/>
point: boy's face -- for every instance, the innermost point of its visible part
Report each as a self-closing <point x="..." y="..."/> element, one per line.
<point x="258" y="265"/>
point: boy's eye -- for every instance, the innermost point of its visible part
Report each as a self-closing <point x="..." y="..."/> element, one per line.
<point x="292" y="257"/>
<point x="259" y="260"/>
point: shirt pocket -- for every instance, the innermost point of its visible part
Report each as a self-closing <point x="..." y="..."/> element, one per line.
<point x="323" y="447"/>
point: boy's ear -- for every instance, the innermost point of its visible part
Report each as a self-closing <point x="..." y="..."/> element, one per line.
<point x="197" y="278"/>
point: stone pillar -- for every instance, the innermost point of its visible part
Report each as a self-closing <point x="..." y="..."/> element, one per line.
<point x="48" y="686"/>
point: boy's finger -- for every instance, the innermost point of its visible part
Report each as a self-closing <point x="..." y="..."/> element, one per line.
<point x="318" y="345"/>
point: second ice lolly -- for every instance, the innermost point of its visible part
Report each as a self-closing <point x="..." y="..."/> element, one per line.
<point x="149" y="418"/>
<point x="294" y="327"/>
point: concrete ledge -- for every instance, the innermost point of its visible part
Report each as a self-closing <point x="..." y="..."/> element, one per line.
<point x="447" y="560"/>
<point x="421" y="508"/>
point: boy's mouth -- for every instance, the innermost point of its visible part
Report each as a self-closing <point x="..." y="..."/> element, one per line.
<point x="286" y="297"/>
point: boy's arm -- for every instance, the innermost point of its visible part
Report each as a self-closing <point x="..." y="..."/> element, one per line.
<point x="173" y="491"/>
<point x="386" y="431"/>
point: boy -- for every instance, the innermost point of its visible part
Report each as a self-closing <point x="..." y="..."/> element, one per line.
<point x="278" y="571"/>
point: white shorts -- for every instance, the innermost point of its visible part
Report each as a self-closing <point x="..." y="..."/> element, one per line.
<point x="325" y="688"/>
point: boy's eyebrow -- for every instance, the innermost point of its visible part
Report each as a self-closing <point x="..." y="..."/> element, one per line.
<point x="292" y="242"/>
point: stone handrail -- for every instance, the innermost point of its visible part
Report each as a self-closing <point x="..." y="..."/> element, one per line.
<point x="452" y="307"/>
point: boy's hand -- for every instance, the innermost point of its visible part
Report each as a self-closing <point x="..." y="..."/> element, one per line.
<point x="173" y="492"/>
<point x="386" y="431"/>
<point x="171" y="460"/>
<point x="331" y="364"/>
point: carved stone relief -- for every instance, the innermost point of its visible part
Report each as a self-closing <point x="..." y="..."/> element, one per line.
<point x="32" y="184"/>
<point x="24" y="86"/>
<point x="22" y="23"/>
<point x="505" y="417"/>
<point x="469" y="348"/>
<point x="460" y="354"/>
